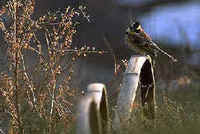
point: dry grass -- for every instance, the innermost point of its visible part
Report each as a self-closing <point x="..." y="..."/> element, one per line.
<point x="38" y="97"/>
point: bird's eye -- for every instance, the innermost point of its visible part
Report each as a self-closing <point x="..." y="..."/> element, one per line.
<point x="126" y="33"/>
<point x="136" y="27"/>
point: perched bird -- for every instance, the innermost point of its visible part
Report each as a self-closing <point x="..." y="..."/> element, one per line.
<point x="141" y="42"/>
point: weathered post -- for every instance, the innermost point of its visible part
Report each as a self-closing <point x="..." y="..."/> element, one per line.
<point x="139" y="71"/>
<point x="93" y="114"/>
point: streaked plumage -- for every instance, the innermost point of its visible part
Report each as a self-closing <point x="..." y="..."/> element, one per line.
<point x="141" y="42"/>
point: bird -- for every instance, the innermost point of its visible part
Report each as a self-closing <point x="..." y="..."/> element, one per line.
<point x="139" y="41"/>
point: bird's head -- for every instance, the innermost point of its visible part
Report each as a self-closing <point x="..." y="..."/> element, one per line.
<point x="133" y="28"/>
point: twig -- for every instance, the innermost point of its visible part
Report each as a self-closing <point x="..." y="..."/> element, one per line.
<point x="112" y="52"/>
<point x="30" y="85"/>
<point x="86" y="51"/>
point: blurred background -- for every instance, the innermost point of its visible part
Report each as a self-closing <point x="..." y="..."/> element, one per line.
<point x="173" y="24"/>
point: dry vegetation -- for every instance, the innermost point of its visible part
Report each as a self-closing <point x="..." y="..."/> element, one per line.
<point x="38" y="98"/>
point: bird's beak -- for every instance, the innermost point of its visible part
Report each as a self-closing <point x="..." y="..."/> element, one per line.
<point x="127" y="31"/>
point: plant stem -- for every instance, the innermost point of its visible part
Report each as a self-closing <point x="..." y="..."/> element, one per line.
<point x="17" y="60"/>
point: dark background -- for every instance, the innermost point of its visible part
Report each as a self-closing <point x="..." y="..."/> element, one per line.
<point x="110" y="18"/>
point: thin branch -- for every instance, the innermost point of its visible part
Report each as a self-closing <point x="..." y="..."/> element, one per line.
<point x="30" y="85"/>
<point x="86" y="51"/>
<point x="112" y="52"/>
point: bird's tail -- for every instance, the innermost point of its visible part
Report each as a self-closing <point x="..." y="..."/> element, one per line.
<point x="165" y="53"/>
